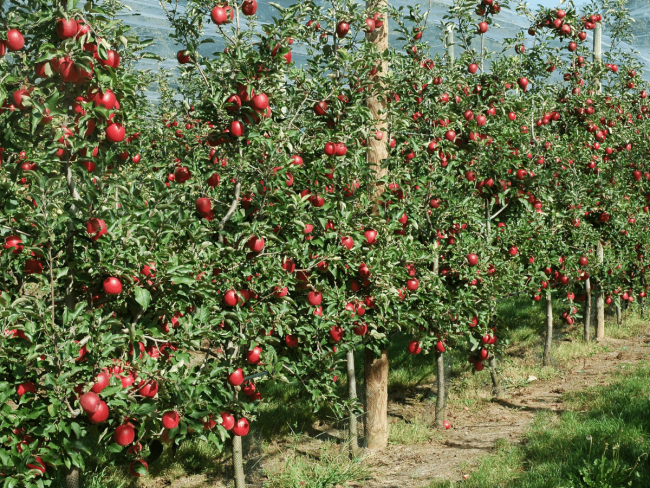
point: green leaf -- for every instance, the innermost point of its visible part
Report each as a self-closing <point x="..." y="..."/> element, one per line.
<point x="180" y="280"/>
<point x="143" y="297"/>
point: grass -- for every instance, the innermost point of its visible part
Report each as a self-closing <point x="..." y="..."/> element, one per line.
<point x="409" y="433"/>
<point x="603" y="440"/>
<point x="331" y="466"/>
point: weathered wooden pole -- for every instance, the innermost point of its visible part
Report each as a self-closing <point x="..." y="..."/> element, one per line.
<point x="376" y="369"/>
<point x="450" y="44"/>
<point x="588" y="310"/>
<point x="598" y="51"/>
<point x="352" y="395"/>
<point x="549" y="329"/>
<point x="600" y="299"/>
<point x="376" y="384"/>
<point x="441" y="400"/>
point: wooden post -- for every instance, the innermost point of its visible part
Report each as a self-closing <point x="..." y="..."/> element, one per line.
<point x="619" y="318"/>
<point x="441" y="400"/>
<point x="588" y="310"/>
<point x="450" y="44"/>
<point x="598" y="51"/>
<point x="352" y="395"/>
<point x="549" y="329"/>
<point x="376" y="384"/>
<point x="378" y="148"/>
<point x="600" y="300"/>
<point x="376" y="370"/>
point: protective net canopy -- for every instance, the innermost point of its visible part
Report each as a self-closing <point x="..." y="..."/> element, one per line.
<point x="149" y="20"/>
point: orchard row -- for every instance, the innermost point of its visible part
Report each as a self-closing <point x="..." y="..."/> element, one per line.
<point x="162" y="262"/>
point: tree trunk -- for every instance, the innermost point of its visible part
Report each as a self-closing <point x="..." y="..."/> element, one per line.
<point x="549" y="329"/>
<point x="449" y="41"/>
<point x="588" y="310"/>
<point x="497" y="391"/>
<point x="238" y="462"/>
<point x="72" y="477"/>
<point x="598" y="52"/>
<point x="376" y="384"/>
<point x="600" y="300"/>
<point x="619" y="318"/>
<point x="352" y="395"/>
<point x="441" y="399"/>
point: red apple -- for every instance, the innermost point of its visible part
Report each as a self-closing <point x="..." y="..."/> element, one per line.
<point x="291" y="341"/>
<point x="347" y="242"/>
<point x="112" y="286"/>
<point x="170" y="419"/>
<point x="219" y="15"/>
<point x="148" y="389"/>
<point x="38" y="464"/>
<point x="241" y="427"/>
<point x="260" y="102"/>
<point x="133" y="467"/>
<point x="66" y="28"/>
<point x="89" y="402"/>
<point x="472" y="259"/>
<point x="14" y="243"/>
<point x="320" y="108"/>
<point x="314" y="298"/>
<point x="253" y="356"/>
<point x="342" y="28"/>
<point x="255" y="244"/>
<point x="414" y="347"/>
<point x="280" y="292"/>
<point x="112" y="59"/>
<point x="249" y="7"/>
<point x="336" y="333"/>
<point x="23" y="388"/>
<point x="15" y="40"/>
<point x="230" y="298"/>
<point x="115" y="133"/>
<point x="100" y="415"/>
<point x="236" y="378"/>
<point x="412" y="284"/>
<point x="203" y="205"/>
<point x="237" y="128"/>
<point x="124" y="434"/>
<point x="371" y="236"/>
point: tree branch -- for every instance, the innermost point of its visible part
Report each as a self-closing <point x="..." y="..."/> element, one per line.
<point x="231" y="211"/>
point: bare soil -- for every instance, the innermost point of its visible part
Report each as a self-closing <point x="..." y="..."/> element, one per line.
<point x="474" y="434"/>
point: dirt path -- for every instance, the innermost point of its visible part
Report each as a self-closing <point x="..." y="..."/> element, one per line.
<point x="474" y="434"/>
